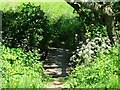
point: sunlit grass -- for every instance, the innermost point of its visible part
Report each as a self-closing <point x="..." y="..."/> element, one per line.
<point x="53" y="10"/>
<point x="49" y="7"/>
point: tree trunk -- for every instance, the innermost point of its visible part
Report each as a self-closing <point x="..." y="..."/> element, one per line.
<point x="109" y="21"/>
<point x="105" y="10"/>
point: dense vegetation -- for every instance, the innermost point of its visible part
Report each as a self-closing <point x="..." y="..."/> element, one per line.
<point x="102" y="73"/>
<point x="21" y="70"/>
<point x="27" y="27"/>
<point x="30" y="29"/>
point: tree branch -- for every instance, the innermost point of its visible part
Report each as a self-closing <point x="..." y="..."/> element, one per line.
<point x="94" y="6"/>
<point x="75" y="6"/>
<point x="91" y="5"/>
<point x="117" y="14"/>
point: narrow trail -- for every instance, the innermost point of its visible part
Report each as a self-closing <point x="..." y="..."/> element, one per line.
<point x="55" y="84"/>
<point x="57" y="66"/>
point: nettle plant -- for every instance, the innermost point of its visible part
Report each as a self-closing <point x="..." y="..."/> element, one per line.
<point x="87" y="52"/>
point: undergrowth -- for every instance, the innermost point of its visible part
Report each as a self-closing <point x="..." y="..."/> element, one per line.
<point x="102" y="73"/>
<point x="21" y="70"/>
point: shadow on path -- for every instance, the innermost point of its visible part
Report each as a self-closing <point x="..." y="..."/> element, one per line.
<point x="57" y="62"/>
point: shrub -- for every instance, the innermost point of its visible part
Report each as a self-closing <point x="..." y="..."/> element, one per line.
<point x="102" y="73"/>
<point x="86" y="53"/>
<point x="64" y="30"/>
<point x="25" y="26"/>
<point x="21" y="70"/>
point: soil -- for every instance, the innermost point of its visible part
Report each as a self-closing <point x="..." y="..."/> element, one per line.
<point x="57" y="65"/>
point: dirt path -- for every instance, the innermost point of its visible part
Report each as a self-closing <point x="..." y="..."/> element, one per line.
<point x="55" y="84"/>
<point x="57" y="66"/>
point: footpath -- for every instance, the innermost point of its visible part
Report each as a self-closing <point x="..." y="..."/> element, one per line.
<point x="57" y="66"/>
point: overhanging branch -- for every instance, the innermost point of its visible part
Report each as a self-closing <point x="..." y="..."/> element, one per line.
<point x="117" y="14"/>
<point x="91" y="5"/>
<point x="94" y="6"/>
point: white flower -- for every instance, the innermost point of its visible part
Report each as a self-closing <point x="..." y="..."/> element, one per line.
<point x="82" y="48"/>
<point x="81" y="42"/>
<point x="108" y="46"/>
<point x="92" y="43"/>
<point x="83" y="45"/>
<point x="91" y="51"/>
<point x="84" y="51"/>
<point x="77" y="50"/>
<point x="87" y="40"/>
<point x="86" y="56"/>
<point x="87" y="50"/>
<point x="80" y="52"/>
<point x="73" y="56"/>
<point x="103" y="45"/>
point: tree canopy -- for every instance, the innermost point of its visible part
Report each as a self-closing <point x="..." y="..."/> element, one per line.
<point x="104" y="9"/>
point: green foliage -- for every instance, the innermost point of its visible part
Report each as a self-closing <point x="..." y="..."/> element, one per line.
<point x="63" y="32"/>
<point x="24" y="27"/>
<point x="102" y="73"/>
<point x="63" y="25"/>
<point x="92" y="23"/>
<point x="28" y="27"/>
<point x="86" y="25"/>
<point x="21" y="70"/>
